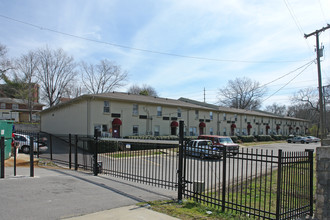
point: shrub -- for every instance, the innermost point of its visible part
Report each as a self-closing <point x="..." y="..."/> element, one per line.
<point x="103" y="146"/>
<point x="246" y="139"/>
<point x="264" y="138"/>
<point x="234" y="138"/>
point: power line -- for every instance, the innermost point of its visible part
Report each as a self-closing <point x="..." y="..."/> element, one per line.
<point x="140" y="49"/>
<point x="294" y="18"/>
<point x="287" y="83"/>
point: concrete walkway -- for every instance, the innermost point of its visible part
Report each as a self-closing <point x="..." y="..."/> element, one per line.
<point x="56" y="193"/>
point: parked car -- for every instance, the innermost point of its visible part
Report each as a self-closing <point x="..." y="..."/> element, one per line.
<point x="23" y="142"/>
<point x="299" y="139"/>
<point x="314" y="139"/>
<point x="222" y="142"/>
<point x="203" y="149"/>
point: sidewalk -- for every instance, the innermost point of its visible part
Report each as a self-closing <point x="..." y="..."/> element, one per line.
<point x="125" y="213"/>
<point x="58" y="193"/>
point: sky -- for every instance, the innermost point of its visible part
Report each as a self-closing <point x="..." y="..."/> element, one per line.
<point x="186" y="48"/>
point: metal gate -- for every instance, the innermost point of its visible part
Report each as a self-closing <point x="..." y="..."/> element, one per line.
<point x="260" y="183"/>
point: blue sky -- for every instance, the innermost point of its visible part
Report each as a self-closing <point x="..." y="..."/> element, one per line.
<point x="216" y="40"/>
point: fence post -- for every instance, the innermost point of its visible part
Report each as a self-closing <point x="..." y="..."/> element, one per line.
<point x="180" y="178"/>
<point x="51" y="147"/>
<point x="70" y="151"/>
<point x="311" y="179"/>
<point x="2" y="143"/>
<point x="38" y="139"/>
<point x="76" y="153"/>
<point x="95" y="166"/>
<point x="15" y="157"/>
<point x="224" y="178"/>
<point x="31" y="157"/>
<point x="279" y="185"/>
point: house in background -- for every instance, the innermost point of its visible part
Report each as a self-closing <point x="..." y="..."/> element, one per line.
<point x="14" y="108"/>
<point x="123" y="114"/>
<point x="18" y="110"/>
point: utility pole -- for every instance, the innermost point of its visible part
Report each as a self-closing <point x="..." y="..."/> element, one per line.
<point x="204" y="94"/>
<point x="318" y="51"/>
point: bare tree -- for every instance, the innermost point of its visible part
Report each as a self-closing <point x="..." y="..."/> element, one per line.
<point x="276" y="109"/>
<point x="26" y="72"/>
<point x="55" y="72"/>
<point x="305" y="104"/>
<point x="103" y="77"/>
<point x="143" y="90"/>
<point x="242" y="93"/>
<point x="5" y="64"/>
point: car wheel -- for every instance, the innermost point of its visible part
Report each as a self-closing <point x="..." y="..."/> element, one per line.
<point x="289" y="141"/>
<point x="202" y="155"/>
<point x="26" y="149"/>
<point x="302" y="142"/>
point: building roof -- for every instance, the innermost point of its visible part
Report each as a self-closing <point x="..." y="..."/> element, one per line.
<point x="182" y="102"/>
<point x="239" y="111"/>
<point x="18" y="101"/>
<point x="119" y="96"/>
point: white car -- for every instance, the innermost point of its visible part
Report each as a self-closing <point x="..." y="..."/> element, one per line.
<point x="314" y="139"/>
<point x="23" y="142"/>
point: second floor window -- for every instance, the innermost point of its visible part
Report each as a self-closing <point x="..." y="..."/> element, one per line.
<point x="3" y="105"/>
<point x="224" y="117"/>
<point x="211" y="115"/>
<point x="135" y="109"/>
<point x="179" y="112"/>
<point x="196" y="114"/>
<point x="159" y="111"/>
<point x="106" y="108"/>
<point x="15" y="106"/>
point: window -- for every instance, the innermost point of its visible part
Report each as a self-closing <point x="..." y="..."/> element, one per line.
<point x="3" y="106"/>
<point x="224" y="132"/>
<point x="211" y="115"/>
<point x="211" y="131"/>
<point x="157" y="130"/>
<point x="15" y="106"/>
<point x="245" y="118"/>
<point x="179" y="112"/>
<point x="196" y="114"/>
<point x="104" y="128"/>
<point x="135" y="130"/>
<point x="235" y="117"/>
<point x="193" y="131"/>
<point x="106" y="108"/>
<point x="135" y="109"/>
<point x="159" y="111"/>
<point x="224" y="117"/>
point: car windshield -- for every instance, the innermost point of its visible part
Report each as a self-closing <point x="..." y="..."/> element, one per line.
<point x="226" y="140"/>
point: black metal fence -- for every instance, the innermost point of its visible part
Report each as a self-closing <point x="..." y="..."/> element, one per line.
<point x="259" y="183"/>
<point x="253" y="182"/>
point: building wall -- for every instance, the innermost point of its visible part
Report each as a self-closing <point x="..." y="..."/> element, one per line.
<point x="68" y="119"/>
<point x="84" y="116"/>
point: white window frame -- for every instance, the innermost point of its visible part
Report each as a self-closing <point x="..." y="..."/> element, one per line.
<point x="159" y="111"/>
<point x="135" y="127"/>
<point x="211" y="115"/>
<point x="106" y="107"/>
<point x="135" y="109"/>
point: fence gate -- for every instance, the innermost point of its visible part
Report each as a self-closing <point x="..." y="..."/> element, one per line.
<point x="259" y="183"/>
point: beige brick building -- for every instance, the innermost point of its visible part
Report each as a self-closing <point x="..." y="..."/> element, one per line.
<point x="122" y="114"/>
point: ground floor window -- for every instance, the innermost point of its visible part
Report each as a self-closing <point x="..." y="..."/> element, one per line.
<point x="135" y="130"/>
<point x="156" y="130"/>
<point x="193" y="131"/>
<point x="224" y="132"/>
<point x="211" y="131"/>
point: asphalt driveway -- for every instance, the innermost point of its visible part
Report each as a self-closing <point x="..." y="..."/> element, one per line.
<point x="63" y="193"/>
